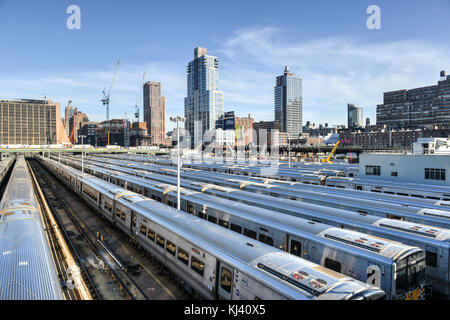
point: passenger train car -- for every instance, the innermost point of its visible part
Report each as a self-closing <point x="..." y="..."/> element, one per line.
<point x="434" y="240"/>
<point x="5" y="165"/>
<point x="212" y="262"/>
<point x="429" y="216"/>
<point x="27" y="270"/>
<point x="351" y="253"/>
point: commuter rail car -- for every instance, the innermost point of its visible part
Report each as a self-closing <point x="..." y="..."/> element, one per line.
<point x="373" y="260"/>
<point x="429" y="216"/>
<point x="434" y="240"/>
<point x="5" y="165"/>
<point x="212" y="262"/>
<point x="27" y="270"/>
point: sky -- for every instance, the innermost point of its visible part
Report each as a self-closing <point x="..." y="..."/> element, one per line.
<point x="327" y="43"/>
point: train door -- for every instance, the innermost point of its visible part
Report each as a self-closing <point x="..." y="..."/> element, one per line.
<point x="133" y="225"/>
<point x="295" y="248"/>
<point x="224" y="285"/>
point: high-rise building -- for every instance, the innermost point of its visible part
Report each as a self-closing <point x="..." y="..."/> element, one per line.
<point x="76" y="122"/>
<point x="204" y="102"/>
<point x="68" y="113"/>
<point x="31" y="122"/>
<point x="289" y="104"/>
<point x="416" y="108"/>
<point x="354" y="116"/>
<point x="154" y="112"/>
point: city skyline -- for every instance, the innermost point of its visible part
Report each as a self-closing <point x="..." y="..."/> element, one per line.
<point x="339" y="61"/>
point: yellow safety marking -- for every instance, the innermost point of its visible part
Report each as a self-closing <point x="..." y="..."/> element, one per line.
<point x="168" y="189"/>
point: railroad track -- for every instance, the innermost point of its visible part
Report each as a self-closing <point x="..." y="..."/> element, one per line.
<point x="100" y="274"/>
<point x="134" y="271"/>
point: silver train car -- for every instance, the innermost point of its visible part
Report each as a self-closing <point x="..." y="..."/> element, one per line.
<point x="434" y="240"/>
<point x="5" y="165"/>
<point x="213" y="262"/>
<point x="27" y="270"/>
<point x="348" y="252"/>
<point x="428" y="216"/>
<point x="286" y="174"/>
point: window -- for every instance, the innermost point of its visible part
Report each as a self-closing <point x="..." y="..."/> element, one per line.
<point x="225" y="279"/>
<point x="236" y="228"/>
<point x="183" y="256"/>
<point x="201" y="215"/>
<point x="296" y="248"/>
<point x="431" y="259"/>
<point x="223" y="223"/>
<point x="171" y="248"/>
<point x="190" y="208"/>
<point x="118" y="212"/>
<point x="435" y="174"/>
<point x="250" y="233"/>
<point x="151" y="234"/>
<point x="394" y="174"/>
<point x="373" y="170"/>
<point x="333" y="265"/>
<point x="266" y="239"/>
<point x="212" y="219"/>
<point x="160" y="241"/>
<point x="123" y="216"/>
<point x="143" y="229"/>
<point x="198" y="266"/>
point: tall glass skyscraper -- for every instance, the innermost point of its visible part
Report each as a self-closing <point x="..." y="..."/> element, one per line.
<point x="289" y="104"/>
<point x="204" y="102"/>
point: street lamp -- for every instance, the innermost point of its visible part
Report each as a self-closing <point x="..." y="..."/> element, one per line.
<point x="82" y="153"/>
<point x="177" y="119"/>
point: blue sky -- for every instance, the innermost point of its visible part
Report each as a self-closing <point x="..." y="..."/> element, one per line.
<point x="327" y="43"/>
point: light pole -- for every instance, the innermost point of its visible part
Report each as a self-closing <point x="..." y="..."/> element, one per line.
<point x="289" y="149"/>
<point x="177" y="119"/>
<point x="82" y="153"/>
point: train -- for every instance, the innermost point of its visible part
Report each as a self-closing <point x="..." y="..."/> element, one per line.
<point x="208" y="260"/>
<point x="5" y="165"/>
<point x="351" y="253"/>
<point x="314" y="177"/>
<point x="434" y="240"/>
<point x="27" y="268"/>
<point x="402" y="210"/>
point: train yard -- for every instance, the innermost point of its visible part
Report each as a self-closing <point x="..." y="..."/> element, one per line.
<point x="108" y="228"/>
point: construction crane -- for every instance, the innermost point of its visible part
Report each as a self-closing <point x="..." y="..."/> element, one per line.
<point x="137" y="109"/>
<point x="328" y="159"/>
<point x="105" y="99"/>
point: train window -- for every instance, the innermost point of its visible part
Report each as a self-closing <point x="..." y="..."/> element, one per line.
<point x="143" y="229"/>
<point x="198" y="266"/>
<point x="160" y="241"/>
<point x="250" y="233"/>
<point x="266" y="239"/>
<point x="134" y="220"/>
<point x="431" y="259"/>
<point x="171" y="248"/>
<point x="333" y="265"/>
<point x="190" y="208"/>
<point x="212" y="219"/>
<point x="201" y="215"/>
<point x="183" y="256"/>
<point x="373" y="170"/>
<point x="118" y="212"/>
<point x="169" y="203"/>
<point x="225" y="279"/>
<point x="394" y="174"/>
<point x="151" y="234"/>
<point x="223" y="223"/>
<point x="158" y="199"/>
<point x="236" y="228"/>
<point x="153" y="197"/>
<point x="296" y="248"/>
<point x="123" y="216"/>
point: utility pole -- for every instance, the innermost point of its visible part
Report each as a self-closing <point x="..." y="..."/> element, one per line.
<point x="82" y="152"/>
<point x="177" y="120"/>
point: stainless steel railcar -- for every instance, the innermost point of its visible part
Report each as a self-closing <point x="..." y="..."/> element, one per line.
<point x="435" y="241"/>
<point x="428" y="216"/>
<point x="27" y="270"/>
<point x="5" y="165"/>
<point x="216" y="263"/>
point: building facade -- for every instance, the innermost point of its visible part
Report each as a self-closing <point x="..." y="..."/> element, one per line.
<point x="68" y="113"/>
<point x="31" y="122"/>
<point x="354" y="116"/>
<point x="204" y="102"/>
<point x="288" y="104"/>
<point x="113" y="132"/>
<point x="416" y="108"/>
<point x="76" y="122"/>
<point x="154" y="112"/>
<point x="89" y="131"/>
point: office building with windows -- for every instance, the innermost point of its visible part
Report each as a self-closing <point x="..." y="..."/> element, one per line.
<point x="154" y="112"/>
<point x="288" y="104"/>
<point x="354" y="116"/>
<point x="203" y="105"/>
<point x="417" y="108"/>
